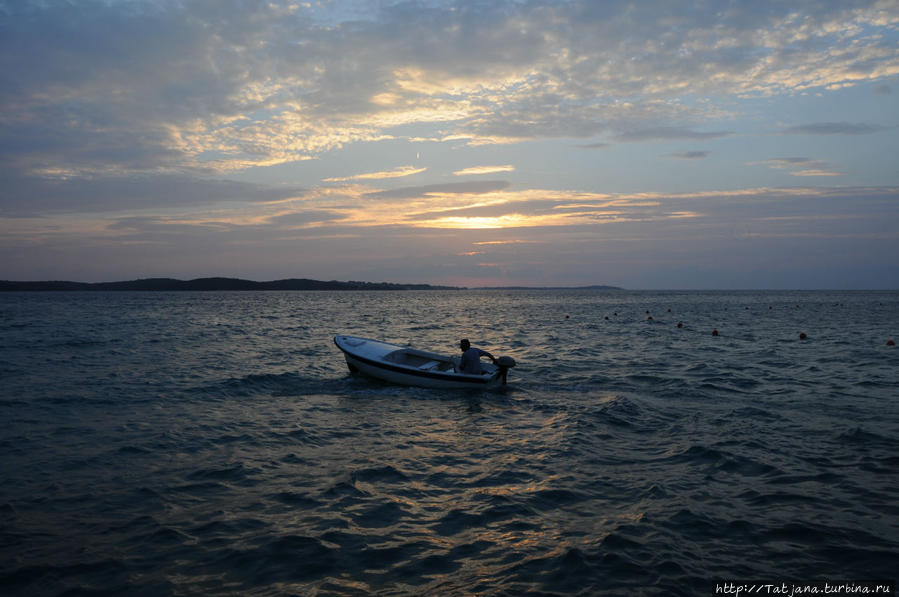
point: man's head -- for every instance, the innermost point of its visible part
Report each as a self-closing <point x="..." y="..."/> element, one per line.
<point x="465" y="344"/>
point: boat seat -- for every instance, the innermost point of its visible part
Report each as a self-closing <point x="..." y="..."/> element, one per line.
<point x="429" y="365"/>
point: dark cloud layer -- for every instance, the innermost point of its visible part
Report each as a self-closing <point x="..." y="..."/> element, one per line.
<point x="30" y="196"/>
<point x="690" y="155"/>
<point x="670" y="133"/>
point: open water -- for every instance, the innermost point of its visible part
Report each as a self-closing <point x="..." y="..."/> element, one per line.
<point x="215" y="444"/>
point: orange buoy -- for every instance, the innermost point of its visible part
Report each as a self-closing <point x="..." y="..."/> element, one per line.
<point x="649" y="318"/>
<point x="714" y="332"/>
<point x="680" y="324"/>
<point x="802" y="336"/>
<point x="890" y="343"/>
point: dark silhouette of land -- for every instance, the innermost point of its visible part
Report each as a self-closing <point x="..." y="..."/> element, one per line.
<point x="170" y="284"/>
<point x="593" y="287"/>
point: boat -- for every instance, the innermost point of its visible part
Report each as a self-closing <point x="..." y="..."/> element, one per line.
<point x="414" y="367"/>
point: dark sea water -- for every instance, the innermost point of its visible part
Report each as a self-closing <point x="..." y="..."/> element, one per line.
<point x="215" y="444"/>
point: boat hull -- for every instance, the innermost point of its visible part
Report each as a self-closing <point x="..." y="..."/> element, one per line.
<point x="373" y="359"/>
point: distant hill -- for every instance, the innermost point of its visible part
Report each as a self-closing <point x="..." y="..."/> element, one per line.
<point x="170" y="284"/>
<point x="594" y="287"/>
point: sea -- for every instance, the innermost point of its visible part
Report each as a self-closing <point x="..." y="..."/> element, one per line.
<point x="647" y="443"/>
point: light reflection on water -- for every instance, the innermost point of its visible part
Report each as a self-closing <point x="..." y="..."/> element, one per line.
<point x="215" y="443"/>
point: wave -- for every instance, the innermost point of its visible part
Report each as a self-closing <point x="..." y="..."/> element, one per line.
<point x="271" y="384"/>
<point x="221" y="447"/>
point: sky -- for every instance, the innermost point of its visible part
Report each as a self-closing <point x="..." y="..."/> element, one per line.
<point x="646" y="145"/>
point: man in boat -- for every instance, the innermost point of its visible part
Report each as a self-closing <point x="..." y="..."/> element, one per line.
<point x="471" y="358"/>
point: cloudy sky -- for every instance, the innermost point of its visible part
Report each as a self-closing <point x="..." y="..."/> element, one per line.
<point x="656" y="144"/>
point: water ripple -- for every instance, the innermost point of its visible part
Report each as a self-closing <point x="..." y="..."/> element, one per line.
<point x="214" y="443"/>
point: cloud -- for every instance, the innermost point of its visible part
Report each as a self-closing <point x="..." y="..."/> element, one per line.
<point x="452" y="188"/>
<point x="483" y="170"/>
<point x="520" y="210"/>
<point x="22" y="196"/>
<point x="305" y="218"/>
<point x="817" y="172"/>
<point x="787" y="162"/>
<point x="135" y="227"/>
<point x="689" y="155"/>
<point x="834" y="128"/>
<point x="670" y="133"/>
<point x="102" y="88"/>
<point x="801" y="166"/>
<point x="516" y="241"/>
<point x="397" y="173"/>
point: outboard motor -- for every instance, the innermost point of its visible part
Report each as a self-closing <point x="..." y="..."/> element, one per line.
<point x="504" y="364"/>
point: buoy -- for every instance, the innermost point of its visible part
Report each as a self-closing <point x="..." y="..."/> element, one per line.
<point x="680" y="324"/>
<point x="802" y="336"/>
<point x="669" y="310"/>
<point x="714" y="332"/>
<point x="607" y="317"/>
<point x="567" y="316"/>
<point x="649" y="318"/>
<point x="890" y="343"/>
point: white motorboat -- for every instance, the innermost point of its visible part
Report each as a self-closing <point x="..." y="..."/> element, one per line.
<point x="413" y="367"/>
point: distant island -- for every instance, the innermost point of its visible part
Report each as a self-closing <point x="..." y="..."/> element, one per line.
<point x="593" y="287"/>
<point x="170" y="284"/>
